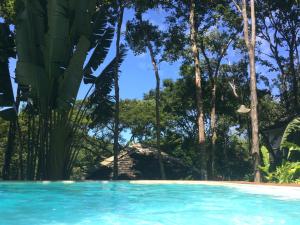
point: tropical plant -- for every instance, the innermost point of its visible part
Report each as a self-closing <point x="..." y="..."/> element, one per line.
<point x="290" y="139"/>
<point x="266" y="159"/>
<point x="287" y="173"/>
<point x="8" y="107"/>
<point x="53" y="39"/>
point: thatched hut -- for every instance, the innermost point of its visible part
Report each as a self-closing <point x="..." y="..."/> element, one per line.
<point x="141" y="163"/>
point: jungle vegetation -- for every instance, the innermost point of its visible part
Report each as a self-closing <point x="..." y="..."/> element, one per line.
<point x="239" y="80"/>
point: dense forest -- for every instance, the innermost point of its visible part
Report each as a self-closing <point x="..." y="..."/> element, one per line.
<point x="233" y="113"/>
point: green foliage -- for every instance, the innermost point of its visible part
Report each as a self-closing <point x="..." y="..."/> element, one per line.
<point x="139" y="117"/>
<point x="100" y="101"/>
<point x="287" y="173"/>
<point x="51" y="57"/>
<point x="290" y="139"/>
<point x="7" y="10"/>
<point x="278" y="27"/>
<point x="139" y="34"/>
<point x="54" y="38"/>
<point x="265" y="159"/>
<point x="179" y="130"/>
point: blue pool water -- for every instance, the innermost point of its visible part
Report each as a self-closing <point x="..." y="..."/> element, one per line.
<point x="97" y="203"/>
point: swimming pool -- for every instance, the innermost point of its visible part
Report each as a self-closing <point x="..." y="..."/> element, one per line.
<point x="103" y="203"/>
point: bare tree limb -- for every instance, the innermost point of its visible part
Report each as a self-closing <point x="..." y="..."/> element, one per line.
<point x="237" y="6"/>
<point x="233" y="87"/>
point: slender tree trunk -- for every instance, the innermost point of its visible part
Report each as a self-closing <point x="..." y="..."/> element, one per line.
<point x="30" y="137"/>
<point x="250" y="43"/>
<point x="213" y="123"/>
<point x="294" y="75"/>
<point x="199" y="97"/>
<point x="254" y="119"/>
<point x="226" y="161"/>
<point x="157" y="111"/>
<point x="117" y="94"/>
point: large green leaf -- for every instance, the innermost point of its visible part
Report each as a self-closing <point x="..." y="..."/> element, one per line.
<point x="31" y="74"/>
<point x="100" y="22"/>
<point x="83" y="12"/>
<point x="30" y="30"/>
<point x="290" y="139"/>
<point x="57" y="38"/>
<point x="69" y="83"/>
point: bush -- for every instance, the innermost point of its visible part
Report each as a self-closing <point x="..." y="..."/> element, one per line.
<point x="289" y="172"/>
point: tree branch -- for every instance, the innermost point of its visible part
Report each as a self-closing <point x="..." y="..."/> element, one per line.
<point x="237" y="6"/>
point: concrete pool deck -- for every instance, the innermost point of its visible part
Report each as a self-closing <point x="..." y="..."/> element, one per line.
<point x="279" y="191"/>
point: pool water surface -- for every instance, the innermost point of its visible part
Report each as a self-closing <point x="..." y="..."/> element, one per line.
<point x="95" y="203"/>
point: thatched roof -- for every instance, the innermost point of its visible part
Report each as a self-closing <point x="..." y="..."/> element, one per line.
<point x="138" y="162"/>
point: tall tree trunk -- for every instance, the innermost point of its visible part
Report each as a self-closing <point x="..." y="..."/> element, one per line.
<point x="250" y="43"/>
<point x="254" y="119"/>
<point x="117" y="94"/>
<point x="199" y="98"/>
<point x="30" y="141"/>
<point x="294" y="74"/>
<point x="213" y="123"/>
<point x="157" y="111"/>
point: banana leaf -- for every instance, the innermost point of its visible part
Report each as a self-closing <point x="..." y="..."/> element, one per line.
<point x="30" y="30"/>
<point x="101" y="102"/>
<point x="57" y="39"/>
<point x="70" y="81"/>
<point x="99" y="54"/>
<point x="290" y="139"/>
<point x="100" y="23"/>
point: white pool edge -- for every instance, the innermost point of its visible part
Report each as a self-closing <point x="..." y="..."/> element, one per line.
<point x="276" y="191"/>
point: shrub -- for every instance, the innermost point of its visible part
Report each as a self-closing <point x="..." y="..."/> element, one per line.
<point x="289" y="172"/>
